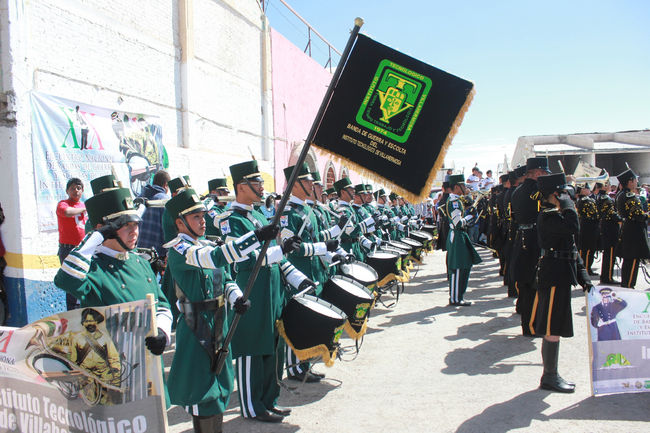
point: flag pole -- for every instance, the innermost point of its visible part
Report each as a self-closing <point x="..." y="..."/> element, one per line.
<point x="223" y="350"/>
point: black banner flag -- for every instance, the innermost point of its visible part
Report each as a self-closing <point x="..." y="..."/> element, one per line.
<point x="392" y="117"/>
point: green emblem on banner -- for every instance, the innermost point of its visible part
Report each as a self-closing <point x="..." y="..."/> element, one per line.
<point x="393" y="101"/>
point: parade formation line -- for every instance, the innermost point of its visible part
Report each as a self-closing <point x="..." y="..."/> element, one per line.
<point x="426" y="366"/>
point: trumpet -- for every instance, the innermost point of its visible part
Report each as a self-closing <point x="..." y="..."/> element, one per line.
<point x="603" y="178"/>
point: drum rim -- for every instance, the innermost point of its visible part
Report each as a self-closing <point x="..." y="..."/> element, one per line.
<point x="371" y="253"/>
<point x="354" y="282"/>
<point x="318" y="300"/>
<point x="398" y="242"/>
<point x="422" y="233"/>
<point x="403" y="251"/>
<point x="413" y="240"/>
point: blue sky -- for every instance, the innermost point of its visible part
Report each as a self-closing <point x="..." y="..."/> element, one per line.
<point x="551" y="67"/>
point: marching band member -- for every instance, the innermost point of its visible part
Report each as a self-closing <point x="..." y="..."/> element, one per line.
<point x="256" y="345"/>
<point x="461" y="255"/>
<point x="609" y="222"/>
<point x="203" y="286"/>
<point x="633" y="240"/>
<point x="559" y="268"/>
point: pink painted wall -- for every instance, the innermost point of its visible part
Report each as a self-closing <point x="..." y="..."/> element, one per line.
<point x="299" y="84"/>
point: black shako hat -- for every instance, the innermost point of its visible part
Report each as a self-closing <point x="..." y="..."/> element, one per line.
<point x="626" y="176"/>
<point x="537" y="162"/>
<point x="551" y="183"/>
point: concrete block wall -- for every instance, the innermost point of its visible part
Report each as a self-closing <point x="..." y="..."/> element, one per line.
<point x="126" y="55"/>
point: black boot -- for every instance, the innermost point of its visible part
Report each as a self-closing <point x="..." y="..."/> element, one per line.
<point x="207" y="424"/>
<point x="551" y="380"/>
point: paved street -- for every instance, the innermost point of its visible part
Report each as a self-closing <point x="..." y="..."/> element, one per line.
<point x="425" y="366"/>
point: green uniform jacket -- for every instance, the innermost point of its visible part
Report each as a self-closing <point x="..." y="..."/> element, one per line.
<point x="255" y="334"/>
<point x="190" y="379"/>
<point x="324" y="223"/>
<point x="460" y="251"/>
<point x="352" y="232"/>
<point x="305" y="259"/>
<point x="107" y="280"/>
<point x="212" y="217"/>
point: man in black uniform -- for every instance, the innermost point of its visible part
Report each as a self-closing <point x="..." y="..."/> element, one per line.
<point x="559" y="268"/>
<point x="588" y="238"/>
<point x="501" y="233"/>
<point x="609" y="220"/>
<point x="526" y="203"/>
<point x="632" y="243"/>
<point x="517" y="177"/>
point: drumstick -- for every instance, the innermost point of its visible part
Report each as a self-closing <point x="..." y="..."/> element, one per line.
<point x="304" y="224"/>
<point x="306" y="290"/>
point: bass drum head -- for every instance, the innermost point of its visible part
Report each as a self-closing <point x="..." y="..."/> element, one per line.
<point x="360" y="272"/>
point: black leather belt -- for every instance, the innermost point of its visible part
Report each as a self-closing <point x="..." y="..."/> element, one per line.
<point x="559" y="254"/>
<point x="195" y="307"/>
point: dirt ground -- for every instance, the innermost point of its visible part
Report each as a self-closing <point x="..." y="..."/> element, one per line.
<point x="425" y="366"/>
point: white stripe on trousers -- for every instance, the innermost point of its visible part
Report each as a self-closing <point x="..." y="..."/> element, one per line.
<point x="453" y="295"/>
<point x="247" y="404"/>
<point x="293" y="363"/>
<point x="193" y="410"/>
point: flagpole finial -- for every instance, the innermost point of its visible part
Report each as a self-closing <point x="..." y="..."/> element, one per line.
<point x="358" y="21"/>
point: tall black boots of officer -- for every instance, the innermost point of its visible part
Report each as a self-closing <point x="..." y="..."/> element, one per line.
<point x="208" y="424"/>
<point x="551" y="380"/>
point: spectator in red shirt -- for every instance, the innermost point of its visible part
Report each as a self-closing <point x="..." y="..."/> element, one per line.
<point x="71" y="216"/>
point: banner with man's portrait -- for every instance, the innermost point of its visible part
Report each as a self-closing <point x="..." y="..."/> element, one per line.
<point x="619" y="325"/>
<point x="85" y="370"/>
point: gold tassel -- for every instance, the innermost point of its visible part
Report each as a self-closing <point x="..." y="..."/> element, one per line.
<point x="351" y="331"/>
<point x="304" y="354"/>
<point x="433" y="174"/>
<point x="387" y="279"/>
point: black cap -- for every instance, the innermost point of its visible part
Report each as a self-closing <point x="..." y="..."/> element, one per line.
<point x="537" y="162"/>
<point x="504" y="178"/>
<point x="520" y="171"/>
<point x="626" y="176"/>
<point x="551" y="183"/>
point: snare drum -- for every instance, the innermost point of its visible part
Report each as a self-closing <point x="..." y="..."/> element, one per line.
<point x="353" y="299"/>
<point x="312" y="327"/>
<point x="424" y="237"/>
<point x="416" y="248"/>
<point x="360" y="272"/>
<point x="429" y="228"/>
<point x="387" y="263"/>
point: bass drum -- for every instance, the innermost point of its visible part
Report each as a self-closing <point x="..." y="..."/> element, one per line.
<point x="312" y="327"/>
<point x="360" y="272"/>
<point x="353" y="299"/>
<point x="387" y="264"/>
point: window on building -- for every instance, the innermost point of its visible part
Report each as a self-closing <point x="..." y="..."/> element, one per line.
<point x="330" y="177"/>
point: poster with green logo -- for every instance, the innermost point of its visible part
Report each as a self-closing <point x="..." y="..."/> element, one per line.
<point x="392" y="117"/>
<point x="619" y="339"/>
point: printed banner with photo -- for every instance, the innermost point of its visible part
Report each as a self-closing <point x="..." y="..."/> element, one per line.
<point x="84" y="370"/>
<point x="393" y="117"/>
<point x="73" y="139"/>
<point x="619" y="324"/>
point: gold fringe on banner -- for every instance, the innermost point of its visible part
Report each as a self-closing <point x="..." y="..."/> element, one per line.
<point x="352" y="333"/>
<point x="437" y="165"/>
<point x="313" y="352"/>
